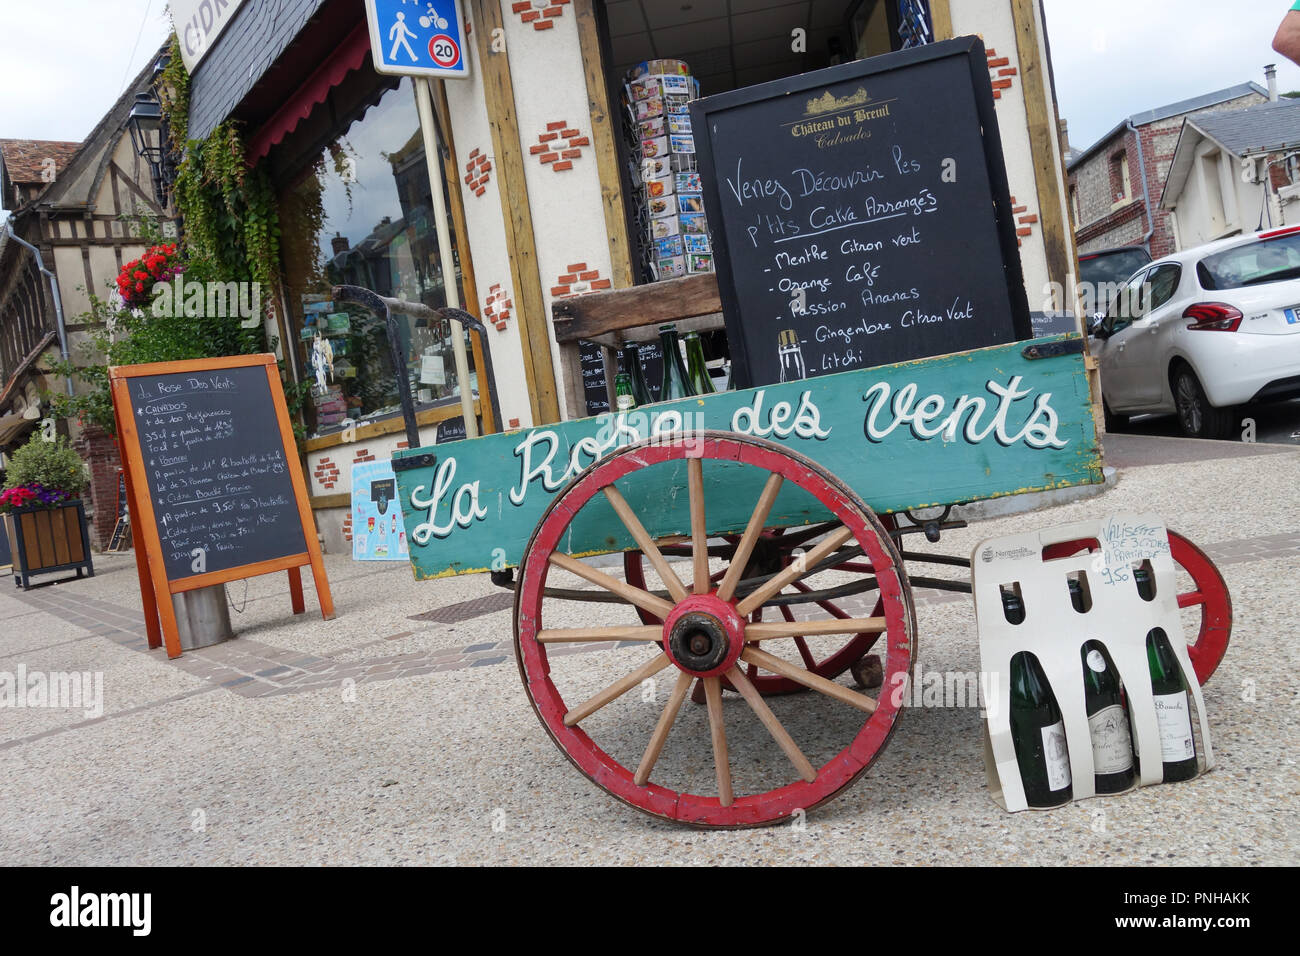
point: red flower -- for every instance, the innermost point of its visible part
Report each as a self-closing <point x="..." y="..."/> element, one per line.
<point x="139" y="287"/>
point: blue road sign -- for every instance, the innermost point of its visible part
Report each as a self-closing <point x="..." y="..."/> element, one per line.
<point x="418" y="37"/>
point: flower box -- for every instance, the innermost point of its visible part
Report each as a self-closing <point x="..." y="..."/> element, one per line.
<point x="48" y="540"/>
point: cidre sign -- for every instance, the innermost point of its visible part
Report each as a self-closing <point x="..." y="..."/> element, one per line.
<point x="861" y="215"/>
<point x="214" y="485"/>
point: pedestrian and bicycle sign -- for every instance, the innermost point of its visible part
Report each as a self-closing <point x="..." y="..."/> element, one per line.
<point x="417" y="37"/>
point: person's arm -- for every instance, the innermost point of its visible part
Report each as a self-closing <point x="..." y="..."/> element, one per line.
<point x="1287" y="39"/>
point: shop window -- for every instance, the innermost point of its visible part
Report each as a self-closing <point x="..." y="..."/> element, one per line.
<point x="360" y="212"/>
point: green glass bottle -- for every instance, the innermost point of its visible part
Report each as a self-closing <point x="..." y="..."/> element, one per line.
<point x="1112" y="747"/>
<point x="632" y="366"/>
<point x="1038" y="734"/>
<point x="1076" y="595"/>
<point x="697" y="372"/>
<point x="624" y="394"/>
<point x="1013" y="609"/>
<point x="1146" y="587"/>
<point x="675" y="384"/>
<point x="1173" y="708"/>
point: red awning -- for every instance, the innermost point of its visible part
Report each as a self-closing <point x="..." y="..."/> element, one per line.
<point x="347" y="56"/>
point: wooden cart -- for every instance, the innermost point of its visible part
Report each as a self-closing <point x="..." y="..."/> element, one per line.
<point x="790" y="504"/>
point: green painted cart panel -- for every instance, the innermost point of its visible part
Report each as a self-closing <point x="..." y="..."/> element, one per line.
<point x="938" y="431"/>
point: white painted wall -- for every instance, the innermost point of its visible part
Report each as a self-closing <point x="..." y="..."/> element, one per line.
<point x="1216" y="203"/>
<point x="568" y="217"/>
<point x="993" y="22"/>
<point x="485" y="223"/>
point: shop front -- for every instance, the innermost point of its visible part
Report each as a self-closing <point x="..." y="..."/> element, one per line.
<point x="546" y="187"/>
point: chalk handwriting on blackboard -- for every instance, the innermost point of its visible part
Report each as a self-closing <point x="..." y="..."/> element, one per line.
<point x="215" y="464"/>
<point x="845" y="240"/>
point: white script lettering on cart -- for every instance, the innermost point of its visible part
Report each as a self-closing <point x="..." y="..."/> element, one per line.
<point x="464" y="505"/>
<point x="805" y="423"/>
<point x="927" y="418"/>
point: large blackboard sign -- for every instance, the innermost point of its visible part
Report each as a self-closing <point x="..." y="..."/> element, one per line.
<point x="861" y="215"/>
<point x="217" y="470"/>
<point x="213" y="481"/>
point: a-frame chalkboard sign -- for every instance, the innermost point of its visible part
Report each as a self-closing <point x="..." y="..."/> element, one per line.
<point x="861" y="215"/>
<point x="214" y="486"/>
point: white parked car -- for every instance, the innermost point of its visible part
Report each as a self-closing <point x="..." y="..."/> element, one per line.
<point x="1204" y="330"/>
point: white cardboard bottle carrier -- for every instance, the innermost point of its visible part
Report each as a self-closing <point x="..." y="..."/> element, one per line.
<point x="1054" y="631"/>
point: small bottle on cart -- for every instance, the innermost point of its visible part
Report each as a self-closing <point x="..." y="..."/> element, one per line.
<point x="675" y="383"/>
<point x="1173" y="709"/>
<point x="632" y="366"/>
<point x="697" y="372"/>
<point x="624" y="393"/>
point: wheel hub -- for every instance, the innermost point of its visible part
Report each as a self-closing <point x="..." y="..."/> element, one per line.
<point x="704" y="636"/>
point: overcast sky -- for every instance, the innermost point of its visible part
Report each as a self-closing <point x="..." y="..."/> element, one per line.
<point x="1112" y="58"/>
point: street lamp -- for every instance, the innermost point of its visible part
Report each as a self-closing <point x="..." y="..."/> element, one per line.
<point x="144" y="124"/>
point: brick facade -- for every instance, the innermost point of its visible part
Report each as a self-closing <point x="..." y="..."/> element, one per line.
<point x="1095" y="181"/>
<point x="99" y="450"/>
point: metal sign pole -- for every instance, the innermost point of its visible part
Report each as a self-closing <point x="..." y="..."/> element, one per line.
<point x="433" y="157"/>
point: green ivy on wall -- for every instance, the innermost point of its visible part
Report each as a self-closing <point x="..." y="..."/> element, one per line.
<point x="232" y="226"/>
<point x="231" y="233"/>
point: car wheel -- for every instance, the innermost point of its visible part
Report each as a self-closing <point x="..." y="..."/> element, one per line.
<point x="1114" y="422"/>
<point x="1196" y="416"/>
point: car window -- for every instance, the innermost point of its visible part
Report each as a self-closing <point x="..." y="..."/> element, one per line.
<point x="1127" y="305"/>
<point x="1255" y="263"/>
<point x="1163" y="282"/>
<point x="1112" y="267"/>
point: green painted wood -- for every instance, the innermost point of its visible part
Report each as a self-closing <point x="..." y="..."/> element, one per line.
<point x="936" y="431"/>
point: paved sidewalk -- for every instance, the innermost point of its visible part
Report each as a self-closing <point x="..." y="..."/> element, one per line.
<point x="399" y="732"/>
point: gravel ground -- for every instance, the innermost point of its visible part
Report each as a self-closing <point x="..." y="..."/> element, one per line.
<point x="453" y="767"/>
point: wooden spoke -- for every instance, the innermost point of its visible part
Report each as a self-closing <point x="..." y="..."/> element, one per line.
<point x="799" y="642"/>
<point x="617" y="689"/>
<point x="699" y="536"/>
<point x="842" y="625"/>
<point x="747" y="540"/>
<point x="776" y="665"/>
<point x="645" y="542"/>
<point x="778" y="732"/>
<point x="642" y="599"/>
<point x="660" y="736"/>
<point x="796" y="570"/>
<point x="578" y="635"/>
<point x="713" y="697"/>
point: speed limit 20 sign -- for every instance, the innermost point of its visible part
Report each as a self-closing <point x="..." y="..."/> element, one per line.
<point x="417" y="37"/>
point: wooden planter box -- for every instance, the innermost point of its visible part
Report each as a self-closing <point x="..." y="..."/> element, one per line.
<point x="47" y="540"/>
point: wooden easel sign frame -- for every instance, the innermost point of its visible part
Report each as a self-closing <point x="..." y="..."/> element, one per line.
<point x="148" y="405"/>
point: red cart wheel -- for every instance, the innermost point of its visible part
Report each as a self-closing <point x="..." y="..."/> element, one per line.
<point x="824" y="662"/>
<point x="769" y="761"/>
<point x="1208" y="592"/>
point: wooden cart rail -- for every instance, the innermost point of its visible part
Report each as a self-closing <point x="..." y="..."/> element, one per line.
<point x="629" y="315"/>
